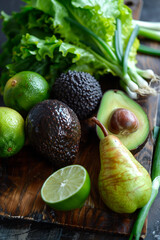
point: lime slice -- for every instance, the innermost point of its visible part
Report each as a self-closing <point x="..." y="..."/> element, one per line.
<point x="67" y="188"/>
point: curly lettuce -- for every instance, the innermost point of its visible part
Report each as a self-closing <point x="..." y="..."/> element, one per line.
<point x="53" y="36"/>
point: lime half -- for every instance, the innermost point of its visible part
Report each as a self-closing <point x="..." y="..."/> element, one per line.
<point x="67" y="188"/>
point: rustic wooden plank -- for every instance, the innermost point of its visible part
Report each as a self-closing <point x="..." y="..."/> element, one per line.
<point x="22" y="177"/>
<point x="136" y="6"/>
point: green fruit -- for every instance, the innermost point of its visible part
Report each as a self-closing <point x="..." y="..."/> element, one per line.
<point x="54" y="130"/>
<point x="12" y="135"/>
<point x="24" y="90"/>
<point x="67" y="188"/>
<point x="123" y="118"/>
<point x="124" y="184"/>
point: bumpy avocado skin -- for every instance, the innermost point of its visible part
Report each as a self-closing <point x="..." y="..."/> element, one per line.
<point x="53" y="129"/>
<point x="80" y="91"/>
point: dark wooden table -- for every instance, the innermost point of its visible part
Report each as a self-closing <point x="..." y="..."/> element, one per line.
<point x="25" y="230"/>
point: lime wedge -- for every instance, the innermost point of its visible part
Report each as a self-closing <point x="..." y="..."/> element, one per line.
<point x="67" y="188"/>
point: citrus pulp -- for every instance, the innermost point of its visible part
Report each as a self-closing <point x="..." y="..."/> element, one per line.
<point x="67" y="188"/>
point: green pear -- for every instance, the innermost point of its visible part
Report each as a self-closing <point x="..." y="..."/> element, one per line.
<point x="124" y="184"/>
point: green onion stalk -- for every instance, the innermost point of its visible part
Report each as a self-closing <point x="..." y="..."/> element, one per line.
<point x="155" y="176"/>
<point x="68" y="35"/>
<point x="148" y="25"/>
<point x="132" y="79"/>
<point x="149" y="30"/>
<point x="148" y="50"/>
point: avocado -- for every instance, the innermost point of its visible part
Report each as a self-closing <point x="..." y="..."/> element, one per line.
<point x="54" y="130"/>
<point x="80" y="91"/>
<point x="124" y="118"/>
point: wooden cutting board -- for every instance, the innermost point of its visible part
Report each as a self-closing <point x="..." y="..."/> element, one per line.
<point x="22" y="176"/>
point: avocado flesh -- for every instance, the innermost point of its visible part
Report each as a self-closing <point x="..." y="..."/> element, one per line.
<point x="114" y="99"/>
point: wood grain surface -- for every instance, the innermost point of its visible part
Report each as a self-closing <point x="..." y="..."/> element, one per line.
<point x="22" y="176"/>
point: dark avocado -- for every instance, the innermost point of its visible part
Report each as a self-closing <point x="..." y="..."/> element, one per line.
<point x="114" y="100"/>
<point x="53" y="129"/>
<point x="80" y="91"/>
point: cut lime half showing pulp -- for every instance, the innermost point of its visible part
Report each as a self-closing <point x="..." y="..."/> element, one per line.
<point x="67" y="188"/>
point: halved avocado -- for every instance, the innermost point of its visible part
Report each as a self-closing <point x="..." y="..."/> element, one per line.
<point x="114" y="99"/>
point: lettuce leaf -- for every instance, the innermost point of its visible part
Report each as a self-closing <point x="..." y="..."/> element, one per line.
<point x="42" y="38"/>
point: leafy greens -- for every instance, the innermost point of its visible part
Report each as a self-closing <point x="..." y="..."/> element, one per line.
<point x="52" y="36"/>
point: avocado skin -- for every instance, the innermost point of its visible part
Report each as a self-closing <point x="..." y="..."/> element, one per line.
<point x="113" y="99"/>
<point x="54" y="130"/>
<point x="80" y="91"/>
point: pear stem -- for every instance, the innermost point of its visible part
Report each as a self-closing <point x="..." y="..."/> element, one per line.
<point x="94" y="119"/>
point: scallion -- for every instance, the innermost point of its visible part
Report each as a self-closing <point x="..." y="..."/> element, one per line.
<point x="99" y="40"/>
<point x="116" y="61"/>
<point x="146" y="24"/>
<point x="149" y="33"/>
<point x="130" y="93"/>
<point x="119" y="56"/>
<point x="138" y="225"/>
<point x="118" y="42"/>
<point x="147" y="74"/>
<point x="129" y="45"/>
<point x="148" y="50"/>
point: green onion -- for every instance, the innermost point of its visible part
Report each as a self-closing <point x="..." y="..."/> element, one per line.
<point x="156" y="159"/>
<point x="99" y="40"/>
<point x="117" y="63"/>
<point x="138" y="225"/>
<point x="130" y="93"/>
<point x="155" y="132"/>
<point x="147" y="74"/>
<point x="119" y="56"/>
<point x="119" y="30"/>
<point x="118" y="42"/>
<point x="149" y="25"/>
<point x="129" y="45"/>
<point x="131" y="84"/>
<point x="138" y="79"/>
<point x="148" y="50"/>
<point x="149" y="33"/>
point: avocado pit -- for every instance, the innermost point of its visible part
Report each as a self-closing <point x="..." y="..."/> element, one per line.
<point x="124" y="118"/>
<point x="123" y="121"/>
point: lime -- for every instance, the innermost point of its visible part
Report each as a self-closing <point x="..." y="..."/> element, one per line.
<point x="67" y="188"/>
<point x="24" y="90"/>
<point x="12" y="134"/>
